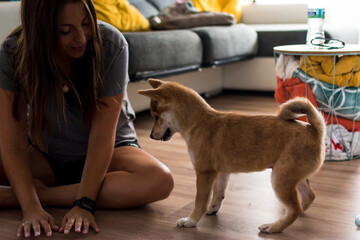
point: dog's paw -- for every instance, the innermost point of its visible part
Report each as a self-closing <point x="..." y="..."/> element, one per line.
<point x="215" y="205"/>
<point x="264" y="228"/>
<point x="269" y="228"/>
<point x="186" y="222"/>
<point x="213" y="209"/>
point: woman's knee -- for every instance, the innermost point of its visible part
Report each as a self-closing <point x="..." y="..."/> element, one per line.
<point x="162" y="182"/>
<point x="168" y="183"/>
<point x="155" y="180"/>
<point x="150" y="184"/>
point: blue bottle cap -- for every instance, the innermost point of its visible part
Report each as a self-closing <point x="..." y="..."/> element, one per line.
<point x="357" y="220"/>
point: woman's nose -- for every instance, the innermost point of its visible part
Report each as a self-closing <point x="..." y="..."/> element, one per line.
<point x="80" y="36"/>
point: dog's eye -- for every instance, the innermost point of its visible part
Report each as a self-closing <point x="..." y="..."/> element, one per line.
<point x="156" y="118"/>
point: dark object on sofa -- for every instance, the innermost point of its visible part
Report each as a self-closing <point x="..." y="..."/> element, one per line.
<point x="185" y="21"/>
<point x="184" y="15"/>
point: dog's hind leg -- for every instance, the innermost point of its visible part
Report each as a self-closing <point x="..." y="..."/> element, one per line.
<point x="284" y="185"/>
<point x="204" y="183"/>
<point x="307" y="194"/>
<point x="219" y="189"/>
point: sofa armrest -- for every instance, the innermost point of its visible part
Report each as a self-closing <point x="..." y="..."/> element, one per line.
<point x="9" y="18"/>
<point x="274" y="13"/>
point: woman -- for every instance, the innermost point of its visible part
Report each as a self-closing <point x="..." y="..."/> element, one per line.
<point x="66" y="133"/>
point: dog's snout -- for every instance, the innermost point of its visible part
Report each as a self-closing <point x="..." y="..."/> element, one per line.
<point x="151" y="136"/>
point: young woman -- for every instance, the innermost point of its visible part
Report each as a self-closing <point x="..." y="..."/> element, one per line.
<point x="66" y="135"/>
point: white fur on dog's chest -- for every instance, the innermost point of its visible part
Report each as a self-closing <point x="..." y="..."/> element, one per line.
<point x="187" y="138"/>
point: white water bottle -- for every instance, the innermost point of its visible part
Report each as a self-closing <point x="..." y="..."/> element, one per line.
<point x="316" y="17"/>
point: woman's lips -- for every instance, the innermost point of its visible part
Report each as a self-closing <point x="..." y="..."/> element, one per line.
<point x="79" y="48"/>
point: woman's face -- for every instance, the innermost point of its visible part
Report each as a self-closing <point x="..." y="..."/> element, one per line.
<point x="75" y="30"/>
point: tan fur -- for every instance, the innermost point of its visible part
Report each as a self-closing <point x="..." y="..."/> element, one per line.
<point x="222" y="143"/>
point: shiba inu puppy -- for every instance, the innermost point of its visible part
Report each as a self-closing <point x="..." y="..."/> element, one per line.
<point x="221" y="143"/>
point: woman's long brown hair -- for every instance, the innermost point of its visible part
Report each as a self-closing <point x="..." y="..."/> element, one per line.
<point x="37" y="75"/>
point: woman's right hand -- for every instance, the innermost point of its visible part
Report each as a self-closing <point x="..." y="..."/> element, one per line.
<point x="35" y="219"/>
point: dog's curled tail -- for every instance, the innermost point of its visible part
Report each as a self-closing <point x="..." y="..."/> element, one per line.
<point x="297" y="107"/>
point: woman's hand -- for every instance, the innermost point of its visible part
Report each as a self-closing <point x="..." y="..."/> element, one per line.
<point x="80" y="219"/>
<point x="34" y="220"/>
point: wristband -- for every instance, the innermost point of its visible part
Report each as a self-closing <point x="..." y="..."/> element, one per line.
<point x="86" y="203"/>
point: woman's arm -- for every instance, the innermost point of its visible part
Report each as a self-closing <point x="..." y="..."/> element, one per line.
<point x="14" y="149"/>
<point x="100" y="146"/>
<point x="99" y="154"/>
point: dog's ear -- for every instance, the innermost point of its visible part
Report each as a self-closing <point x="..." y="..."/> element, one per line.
<point x="155" y="83"/>
<point x="158" y="93"/>
<point x="152" y="93"/>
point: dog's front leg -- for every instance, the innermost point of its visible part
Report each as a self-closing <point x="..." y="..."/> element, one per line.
<point x="219" y="189"/>
<point x="204" y="182"/>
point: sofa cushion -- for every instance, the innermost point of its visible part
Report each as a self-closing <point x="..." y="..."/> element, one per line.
<point x="121" y="14"/>
<point x="146" y="8"/>
<point x="224" y="44"/>
<point x="161" y="4"/>
<point x="161" y="53"/>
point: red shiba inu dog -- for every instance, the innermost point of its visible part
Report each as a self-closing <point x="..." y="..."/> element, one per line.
<point x="222" y="143"/>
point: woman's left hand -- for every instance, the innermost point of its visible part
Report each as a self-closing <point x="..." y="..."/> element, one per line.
<point x="80" y="219"/>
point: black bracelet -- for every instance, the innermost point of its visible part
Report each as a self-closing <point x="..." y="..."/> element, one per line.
<point x="86" y="203"/>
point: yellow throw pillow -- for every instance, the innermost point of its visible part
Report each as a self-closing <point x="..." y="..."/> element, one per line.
<point x="121" y="14"/>
<point x="229" y="6"/>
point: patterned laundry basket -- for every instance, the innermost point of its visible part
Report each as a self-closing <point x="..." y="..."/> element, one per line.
<point x="335" y="93"/>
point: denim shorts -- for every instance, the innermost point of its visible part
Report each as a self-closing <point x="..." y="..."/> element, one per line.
<point x="70" y="172"/>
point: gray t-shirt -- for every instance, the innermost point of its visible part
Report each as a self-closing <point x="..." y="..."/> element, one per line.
<point x="69" y="141"/>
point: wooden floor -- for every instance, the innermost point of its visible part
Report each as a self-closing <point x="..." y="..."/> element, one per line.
<point x="249" y="202"/>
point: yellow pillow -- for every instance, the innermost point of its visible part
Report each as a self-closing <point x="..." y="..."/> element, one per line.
<point x="229" y="6"/>
<point x="121" y="14"/>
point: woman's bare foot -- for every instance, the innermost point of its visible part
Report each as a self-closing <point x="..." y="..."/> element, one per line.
<point x="38" y="184"/>
<point x="8" y="198"/>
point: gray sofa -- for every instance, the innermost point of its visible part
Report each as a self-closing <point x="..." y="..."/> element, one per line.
<point x="168" y="52"/>
<point x="207" y="59"/>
